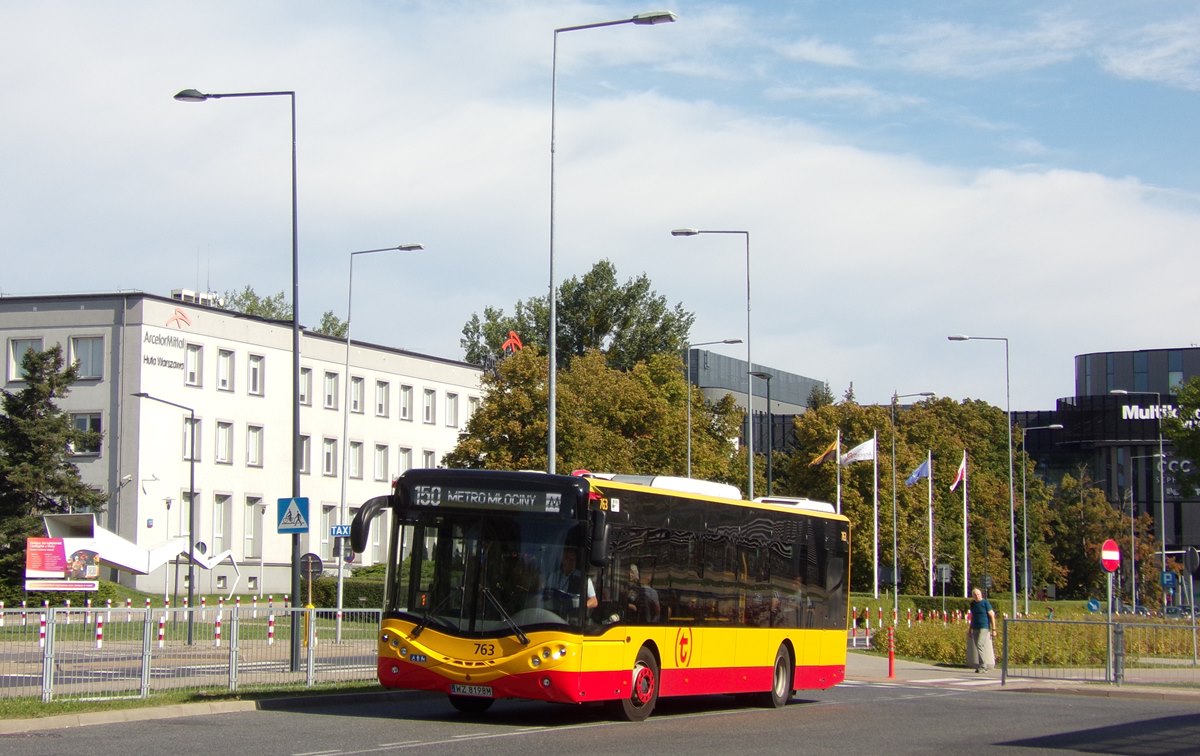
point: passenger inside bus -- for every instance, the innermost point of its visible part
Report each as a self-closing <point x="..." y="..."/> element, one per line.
<point x="570" y="583"/>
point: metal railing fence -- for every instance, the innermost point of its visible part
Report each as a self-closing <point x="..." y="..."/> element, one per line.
<point x="1136" y="653"/>
<point x="57" y="653"/>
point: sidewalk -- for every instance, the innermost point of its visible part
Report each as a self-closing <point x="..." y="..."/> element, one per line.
<point x="865" y="667"/>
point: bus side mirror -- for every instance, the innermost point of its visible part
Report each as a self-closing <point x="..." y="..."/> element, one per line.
<point x="361" y="526"/>
<point x="598" y="551"/>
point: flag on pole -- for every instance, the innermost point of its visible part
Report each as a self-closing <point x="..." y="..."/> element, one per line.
<point x="825" y="454"/>
<point x="864" y="452"/>
<point x="921" y="472"/>
<point x="961" y="475"/>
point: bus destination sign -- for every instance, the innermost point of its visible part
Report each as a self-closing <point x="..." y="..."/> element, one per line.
<point x="458" y="497"/>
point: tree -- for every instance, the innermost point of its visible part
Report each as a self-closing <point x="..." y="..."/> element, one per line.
<point x="1082" y="518"/>
<point x="331" y="325"/>
<point x="248" y="301"/>
<point x="627" y="322"/>
<point x="37" y="476"/>
<point x="1184" y="431"/>
<point x="618" y="421"/>
<point x="820" y="396"/>
<point x="277" y="307"/>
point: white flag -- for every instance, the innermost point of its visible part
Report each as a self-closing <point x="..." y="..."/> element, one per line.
<point x="864" y="452"/>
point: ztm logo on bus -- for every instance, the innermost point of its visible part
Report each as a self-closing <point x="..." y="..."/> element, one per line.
<point x="683" y="647"/>
<point x="1110" y="555"/>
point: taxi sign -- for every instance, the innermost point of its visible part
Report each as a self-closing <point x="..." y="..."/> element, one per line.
<point x="1110" y="555"/>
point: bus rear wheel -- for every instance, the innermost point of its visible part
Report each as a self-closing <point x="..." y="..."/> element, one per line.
<point x="471" y="705"/>
<point x="781" y="681"/>
<point x="644" y="694"/>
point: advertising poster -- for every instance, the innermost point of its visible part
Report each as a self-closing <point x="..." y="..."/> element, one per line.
<point x="49" y="568"/>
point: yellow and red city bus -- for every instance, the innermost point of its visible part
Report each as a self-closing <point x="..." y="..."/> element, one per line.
<point x="673" y="592"/>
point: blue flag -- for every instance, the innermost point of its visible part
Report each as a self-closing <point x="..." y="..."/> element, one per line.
<point x="920" y="472"/>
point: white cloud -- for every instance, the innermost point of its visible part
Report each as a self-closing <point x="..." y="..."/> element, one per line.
<point x="818" y="52"/>
<point x="1167" y="53"/>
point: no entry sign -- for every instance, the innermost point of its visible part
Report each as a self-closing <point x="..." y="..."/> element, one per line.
<point x="1110" y="555"/>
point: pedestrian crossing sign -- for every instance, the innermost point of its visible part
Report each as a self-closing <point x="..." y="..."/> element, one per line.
<point x="293" y="515"/>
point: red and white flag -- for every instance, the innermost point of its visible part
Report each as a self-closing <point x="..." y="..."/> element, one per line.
<point x="961" y="475"/>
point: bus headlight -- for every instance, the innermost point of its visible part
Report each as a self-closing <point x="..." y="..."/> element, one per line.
<point x="535" y="661"/>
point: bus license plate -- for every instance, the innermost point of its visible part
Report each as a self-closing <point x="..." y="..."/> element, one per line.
<point x="480" y="691"/>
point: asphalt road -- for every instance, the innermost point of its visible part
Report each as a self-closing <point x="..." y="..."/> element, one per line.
<point x="955" y="714"/>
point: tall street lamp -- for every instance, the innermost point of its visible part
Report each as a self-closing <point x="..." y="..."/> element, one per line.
<point x="191" y="583"/>
<point x="689" y="392"/>
<point x="1162" y="486"/>
<point x="770" y="431"/>
<point x="641" y="19"/>
<point x="896" y="396"/>
<point x="1025" y="571"/>
<point x="749" y="363"/>
<point x="346" y="412"/>
<point x="1012" y="493"/>
<point x="192" y="95"/>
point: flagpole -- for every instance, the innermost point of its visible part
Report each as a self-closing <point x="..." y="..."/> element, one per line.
<point x="932" y="566"/>
<point x="875" y="498"/>
<point x="838" y="459"/>
<point x="966" y="564"/>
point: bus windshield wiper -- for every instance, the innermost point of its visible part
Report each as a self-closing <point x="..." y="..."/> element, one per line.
<point x="521" y="636"/>
<point x="416" y="631"/>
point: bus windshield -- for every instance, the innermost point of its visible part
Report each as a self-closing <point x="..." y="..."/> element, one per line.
<point x="492" y="575"/>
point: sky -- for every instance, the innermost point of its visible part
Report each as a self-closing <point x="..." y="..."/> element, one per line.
<point x="905" y="171"/>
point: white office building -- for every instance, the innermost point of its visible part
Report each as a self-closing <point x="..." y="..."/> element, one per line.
<point x="234" y="372"/>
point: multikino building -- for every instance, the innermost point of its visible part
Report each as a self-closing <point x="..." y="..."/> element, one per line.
<point x="234" y="373"/>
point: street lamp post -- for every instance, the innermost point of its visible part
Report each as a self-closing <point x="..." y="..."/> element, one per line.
<point x="1025" y="571"/>
<point x="346" y="415"/>
<point x="770" y="431"/>
<point x="641" y="19"/>
<point x="192" y="95"/>
<point x="191" y="586"/>
<point x="896" y="396"/>
<point x="689" y="392"/>
<point x="1012" y="494"/>
<point x="1162" y="486"/>
<point x="749" y="362"/>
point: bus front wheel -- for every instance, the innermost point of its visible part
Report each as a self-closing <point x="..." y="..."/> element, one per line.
<point x="644" y="694"/>
<point x="781" y="681"/>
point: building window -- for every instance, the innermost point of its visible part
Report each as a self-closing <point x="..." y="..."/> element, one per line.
<point x="191" y="426"/>
<point x="327" y="523"/>
<point x="252" y="527"/>
<point x="429" y="458"/>
<point x="403" y="461"/>
<point x="16" y="355"/>
<point x="356" y="394"/>
<point x="472" y="407"/>
<point x="381" y="462"/>
<point x="1174" y="370"/>
<point x="329" y="457"/>
<point x="1141" y="371"/>
<point x="379" y="539"/>
<point x="331" y="391"/>
<point x="87" y="352"/>
<point x="305" y="454"/>
<point x="222" y="511"/>
<point x="451" y="410"/>
<point x="254" y="446"/>
<point x="1110" y="369"/>
<point x="223" y="454"/>
<point x="224" y="370"/>
<point x="87" y="422"/>
<point x="356" y="460"/>
<point x="306" y="386"/>
<point x="406" y="402"/>
<point x="383" y="395"/>
<point x="429" y="406"/>
<point x="255" y="379"/>
<point x="193" y="365"/>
